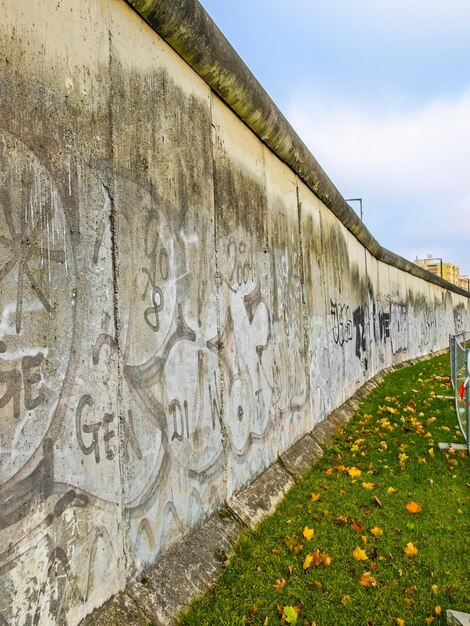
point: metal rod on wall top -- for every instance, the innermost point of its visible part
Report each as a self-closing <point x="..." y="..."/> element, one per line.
<point x="360" y="204"/>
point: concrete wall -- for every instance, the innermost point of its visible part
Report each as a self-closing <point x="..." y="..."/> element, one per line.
<point x="177" y="306"/>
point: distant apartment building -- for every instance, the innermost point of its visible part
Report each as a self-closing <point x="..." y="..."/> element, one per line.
<point x="465" y="282"/>
<point x="447" y="271"/>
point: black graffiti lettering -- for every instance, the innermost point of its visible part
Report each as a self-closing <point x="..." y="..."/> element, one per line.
<point x="12" y="380"/>
<point x="342" y="324"/>
<point x="232" y="252"/>
<point x="108" y="435"/>
<point x="384" y="325"/>
<point x="155" y="309"/>
<point x="180" y="419"/>
<point x="87" y="400"/>
<point x="157" y="260"/>
<point x="93" y="430"/>
<point x="164" y="264"/>
<point x="359" y="324"/>
<point x="30" y="379"/>
<point x="215" y="407"/>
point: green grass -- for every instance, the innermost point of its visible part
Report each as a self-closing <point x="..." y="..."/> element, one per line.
<point x="396" y="419"/>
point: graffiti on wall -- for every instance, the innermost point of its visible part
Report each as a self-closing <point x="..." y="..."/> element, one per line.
<point x="188" y="374"/>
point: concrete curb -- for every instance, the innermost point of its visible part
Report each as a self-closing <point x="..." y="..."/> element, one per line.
<point x="189" y="569"/>
<point x="456" y="618"/>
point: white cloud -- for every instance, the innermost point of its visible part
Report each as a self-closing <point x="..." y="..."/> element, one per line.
<point x="416" y="161"/>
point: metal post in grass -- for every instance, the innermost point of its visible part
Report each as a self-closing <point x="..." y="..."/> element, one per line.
<point x="467" y="401"/>
<point x="460" y="376"/>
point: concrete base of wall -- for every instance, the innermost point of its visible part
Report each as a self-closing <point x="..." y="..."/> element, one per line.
<point x="188" y="569"/>
<point x="456" y="618"/>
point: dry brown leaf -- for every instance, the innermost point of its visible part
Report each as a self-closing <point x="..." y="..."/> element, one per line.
<point x="357" y="526"/>
<point x="315" y="559"/>
<point x="295" y="544"/>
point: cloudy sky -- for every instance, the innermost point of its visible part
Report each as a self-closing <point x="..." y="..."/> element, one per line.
<point x="380" y="93"/>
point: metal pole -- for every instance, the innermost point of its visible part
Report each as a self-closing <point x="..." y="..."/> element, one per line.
<point x="451" y="354"/>
<point x="467" y="401"/>
<point x="360" y="204"/>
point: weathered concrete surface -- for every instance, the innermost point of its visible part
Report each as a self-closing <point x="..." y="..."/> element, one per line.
<point x="189" y="30"/>
<point x="261" y="498"/>
<point x="189" y="570"/>
<point x="120" y="611"/>
<point x="177" y="308"/>
<point x="456" y="618"/>
<point x="301" y="456"/>
<point x="186" y="571"/>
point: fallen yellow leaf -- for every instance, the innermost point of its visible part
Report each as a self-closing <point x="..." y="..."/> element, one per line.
<point x="410" y="550"/>
<point x="359" y="554"/>
<point x="295" y="544"/>
<point x="290" y="614"/>
<point x="308" y="533"/>
<point x="366" y="580"/>
<point x="369" y="485"/>
<point x="376" y="531"/>
<point x="279" y="584"/>
<point x="354" y="472"/>
<point x="314" y="497"/>
<point x="315" y="559"/>
<point x="413" y="507"/>
<point x="435" y="589"/>
<point x="345" y="600"/>
<point x="429" y="620"/>
<point x="391" y="490"/>
<point x="437" y="610"/>
<point x="400" y="622"/>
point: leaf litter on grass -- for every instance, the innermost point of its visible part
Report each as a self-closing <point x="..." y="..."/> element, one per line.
<point x="381" y="554"/>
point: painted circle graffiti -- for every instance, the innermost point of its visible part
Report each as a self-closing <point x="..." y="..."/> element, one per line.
<point x="36" y="303"/>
